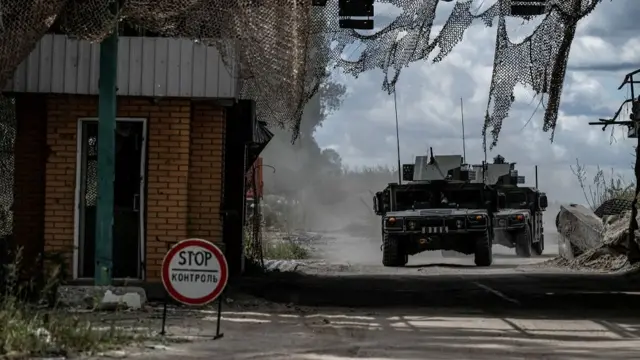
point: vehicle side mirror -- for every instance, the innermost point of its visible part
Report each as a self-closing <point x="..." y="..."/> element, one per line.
<point x="377" y="204"/>
<point x="542" y="201"/>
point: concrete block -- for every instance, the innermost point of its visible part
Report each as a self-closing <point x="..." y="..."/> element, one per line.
<point x="579" y="226"/>
<point x="102" y="297"/>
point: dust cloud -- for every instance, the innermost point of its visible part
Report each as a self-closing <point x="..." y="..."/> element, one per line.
<point x="310" y="189"/>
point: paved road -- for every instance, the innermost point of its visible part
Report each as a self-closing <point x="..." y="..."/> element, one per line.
<point x="433" y="309"/>
<point x="412" y="334"/>
<point x="482" y="316"/>
<point x="351" y="275"/>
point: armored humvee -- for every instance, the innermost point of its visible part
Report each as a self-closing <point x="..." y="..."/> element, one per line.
<point x="518" y="221"/>
<point x="438" y="208"/>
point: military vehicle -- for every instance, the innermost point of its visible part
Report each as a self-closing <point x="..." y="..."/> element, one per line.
<point x="518" y="221"/>
<point x="438" y="208"/>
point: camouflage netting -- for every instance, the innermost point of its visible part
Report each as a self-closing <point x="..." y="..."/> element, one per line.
<point x="283" y="49"/>
<point x="7" y="140"/>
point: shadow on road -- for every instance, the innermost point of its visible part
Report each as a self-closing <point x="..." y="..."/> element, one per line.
<point x="459" y="266"/>
<point x="552" y="291"/>
<point x="514" y="256"/>
<point x="313" y="334"/>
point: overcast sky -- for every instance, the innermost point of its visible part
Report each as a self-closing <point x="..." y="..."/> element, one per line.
<point x="606" y="47"/>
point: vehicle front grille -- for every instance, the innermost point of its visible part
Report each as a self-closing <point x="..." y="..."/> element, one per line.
<point x="430" y="222"/>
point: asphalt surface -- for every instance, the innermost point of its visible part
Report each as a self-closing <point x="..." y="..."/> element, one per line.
<point x="351" y="275"/>
<point x="346" y="306"/>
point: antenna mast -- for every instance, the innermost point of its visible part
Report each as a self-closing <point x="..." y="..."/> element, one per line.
<point x="484" y="163"/>
<point x="464" y="147"/>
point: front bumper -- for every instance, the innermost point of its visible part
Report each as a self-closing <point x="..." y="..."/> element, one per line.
<point x="436" y="226"/>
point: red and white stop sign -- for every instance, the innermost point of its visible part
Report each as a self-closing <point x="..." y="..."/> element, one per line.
<point x="194" y="272"/>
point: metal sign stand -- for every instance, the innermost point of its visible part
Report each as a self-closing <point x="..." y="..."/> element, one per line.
<point x="167" y="296"/>
<point x="218" y="335"/>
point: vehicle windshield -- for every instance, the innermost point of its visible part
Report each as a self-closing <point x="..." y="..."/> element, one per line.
<point x="467" y="199"/>
<point x="438" y="199"/>
<point x="407" y="199"/>
<point x="516" y="200"/>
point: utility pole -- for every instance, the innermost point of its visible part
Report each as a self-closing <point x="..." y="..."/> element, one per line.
<point x="106" y="153"/>
<point x="395" y="104"/>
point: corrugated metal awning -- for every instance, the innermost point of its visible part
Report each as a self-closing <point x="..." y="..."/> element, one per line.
<point x="261" y="137"/>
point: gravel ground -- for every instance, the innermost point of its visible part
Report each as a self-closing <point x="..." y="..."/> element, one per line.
<point x="596" y="260"/>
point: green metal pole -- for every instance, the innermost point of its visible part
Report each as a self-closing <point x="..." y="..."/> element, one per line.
<point x="106" y="156"/>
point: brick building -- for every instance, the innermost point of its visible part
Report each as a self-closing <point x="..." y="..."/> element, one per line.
<point x="183" y="145"/>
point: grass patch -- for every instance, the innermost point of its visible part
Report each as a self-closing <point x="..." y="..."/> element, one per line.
<point x="38" y="328"/>
<point x="285" y="250"/>
<point x="28" y="331"/>
<point x="264" y="246"/>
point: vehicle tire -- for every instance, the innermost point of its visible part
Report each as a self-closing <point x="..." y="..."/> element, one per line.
<point x="392" y="254"/>
<point x="538" y="248"/>
<point x="523" y="243"/>
<point x="483" y="255"/>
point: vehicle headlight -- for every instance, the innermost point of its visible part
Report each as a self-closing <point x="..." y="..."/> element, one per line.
<point x="393" y="222"/>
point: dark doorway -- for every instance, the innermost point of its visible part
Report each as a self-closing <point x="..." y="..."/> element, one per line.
<point x="128" y="199"/>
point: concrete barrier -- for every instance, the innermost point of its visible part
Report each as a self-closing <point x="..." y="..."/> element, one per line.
<point x="580" y="230"/>
<point x="101" y="297"/>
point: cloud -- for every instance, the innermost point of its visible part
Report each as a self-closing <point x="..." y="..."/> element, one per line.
<point x="428" y="105"/>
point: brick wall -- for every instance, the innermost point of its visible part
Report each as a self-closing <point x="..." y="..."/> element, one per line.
<point x="167" y="176"/>
<point x="171" y="184"/>
<point x="62" y="115"/>
<point x="206" y="172"/>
